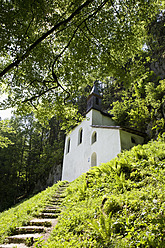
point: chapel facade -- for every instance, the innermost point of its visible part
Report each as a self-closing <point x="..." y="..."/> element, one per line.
<point x="95" y="140"/>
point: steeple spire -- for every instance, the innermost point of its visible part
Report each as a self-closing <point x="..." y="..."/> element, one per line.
<point x="94" y="99"/>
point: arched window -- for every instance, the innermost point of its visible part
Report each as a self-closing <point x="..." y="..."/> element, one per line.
<point x="80" y="134"/>
<point x="68" y="146"/>
<point x="93" y="159"/>
<point x="94" y="137"/>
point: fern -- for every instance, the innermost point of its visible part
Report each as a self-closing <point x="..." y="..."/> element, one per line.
<point x="103" y="226"/>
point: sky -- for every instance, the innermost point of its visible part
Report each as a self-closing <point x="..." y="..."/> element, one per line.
<point x="5" y="114"/>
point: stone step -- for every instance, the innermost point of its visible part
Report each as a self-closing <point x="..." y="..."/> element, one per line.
<point x="61" y="191"/>
<point x="52" y="210"/>
<point x="26" y="235"/>
<point x="48" y="215"/>
<point x="64" y="185"/>
<point x="59" y="195"/>
<point x="53" y="202"/>
<point x="27" y="239"/>
<point x="41" y="222"/>
<point x="13" y="246"/>
<point x="30" y="229"/>
<point x="54" y="206"/>
<point x="56" y="200"/>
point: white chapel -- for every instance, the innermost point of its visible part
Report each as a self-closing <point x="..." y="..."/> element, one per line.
<point x="95" y="140"/>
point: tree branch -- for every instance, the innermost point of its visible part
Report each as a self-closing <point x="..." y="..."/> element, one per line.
<point x="43" y="37"/>
<point x="29" y="26"/>
<point x="39" y="95"/>
<point x="99" y="43"/>
<point x="117" y="12"/>
<point x="84" y="21"/>
<point x="64" y="49"/>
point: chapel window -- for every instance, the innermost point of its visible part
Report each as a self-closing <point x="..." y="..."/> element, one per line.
<point x="68" y="146"/>
<point x="94" y="137"/>
<point x="94" y="159"/>
<point x="80" y="134"/>
<point x="133" y="140"/>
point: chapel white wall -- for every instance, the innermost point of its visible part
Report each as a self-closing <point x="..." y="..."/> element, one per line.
<point x="126" y="140"/>
<point x="74" y="162"/>
<point x="99" y="119"/>
<point x="107" y="146"/>
<point x="110" y="142"/>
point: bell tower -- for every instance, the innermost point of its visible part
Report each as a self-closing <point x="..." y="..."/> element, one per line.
<point x="94" y="99"/>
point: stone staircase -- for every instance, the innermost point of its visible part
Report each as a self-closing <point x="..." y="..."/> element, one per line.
<point x="39" y="228"/>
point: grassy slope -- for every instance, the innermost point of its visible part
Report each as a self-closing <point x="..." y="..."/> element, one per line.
<point x="23" y="212"/>
<point x="119" y="204"/>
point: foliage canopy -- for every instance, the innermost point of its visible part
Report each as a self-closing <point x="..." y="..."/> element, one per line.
<point x="50" y="50"/>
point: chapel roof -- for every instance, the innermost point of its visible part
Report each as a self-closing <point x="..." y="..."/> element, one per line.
<point x="94" y="90"/>
<point x="130" y="130"/>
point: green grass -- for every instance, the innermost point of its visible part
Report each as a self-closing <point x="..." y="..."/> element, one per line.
<point x="118" y="204"/>
<point x="23" y="212"/>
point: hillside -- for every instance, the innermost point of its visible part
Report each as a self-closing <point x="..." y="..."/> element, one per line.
<point x="118" y="204"/>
